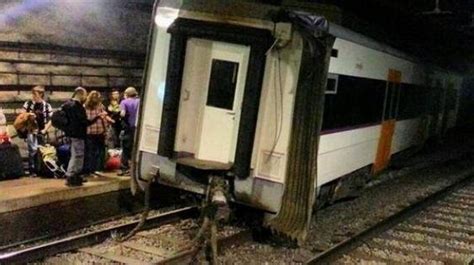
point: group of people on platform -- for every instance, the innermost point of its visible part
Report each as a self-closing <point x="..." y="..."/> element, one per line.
<point x="90" y="125"/>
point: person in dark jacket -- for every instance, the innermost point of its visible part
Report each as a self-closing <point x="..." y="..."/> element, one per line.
<point x="77" y="132"/>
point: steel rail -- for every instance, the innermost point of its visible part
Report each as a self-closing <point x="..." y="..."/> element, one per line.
<point x="75" y="242"/>
<point x="337" y="251"/>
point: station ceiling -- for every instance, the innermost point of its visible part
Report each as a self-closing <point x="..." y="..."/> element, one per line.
<point x="444" y="33"/>
<point x="440" y="33"/>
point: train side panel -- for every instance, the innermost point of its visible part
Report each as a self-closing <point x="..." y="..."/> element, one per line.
<point x="153" y="106"/>
<point x="356" y="60"/>
<point x="265" y="185"/>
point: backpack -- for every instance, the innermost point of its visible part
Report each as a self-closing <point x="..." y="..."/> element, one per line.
<point x="60" y="120"/>
<point x="24" y="124"/>
<point x="45" y="154"/>
<point x="11" y="166"/>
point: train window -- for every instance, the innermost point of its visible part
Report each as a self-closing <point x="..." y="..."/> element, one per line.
<point x="334" y="53"/>
<point x="359" y="101"/>
<point x="331" y="86"/>
<point x="222" y="84"/>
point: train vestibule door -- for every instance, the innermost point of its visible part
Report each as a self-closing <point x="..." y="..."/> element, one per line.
<point x="223" y="102"/>
<point x="389" y="119"/>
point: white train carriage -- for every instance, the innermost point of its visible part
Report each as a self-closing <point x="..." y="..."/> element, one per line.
<point x="242" y="90"/>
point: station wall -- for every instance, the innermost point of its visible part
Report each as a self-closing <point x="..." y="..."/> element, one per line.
<point x="62" y="44"/>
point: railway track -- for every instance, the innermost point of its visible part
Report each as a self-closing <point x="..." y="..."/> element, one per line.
<point x="152" y="247"/>
<point x="436" y="230"/>
<point x="86" y="240"/>
<point x="164" y="239"/>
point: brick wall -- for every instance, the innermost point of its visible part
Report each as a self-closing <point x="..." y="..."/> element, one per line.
<point x="62" y="44"/>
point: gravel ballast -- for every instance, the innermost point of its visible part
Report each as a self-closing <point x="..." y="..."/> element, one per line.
<point x="423" y="175"/>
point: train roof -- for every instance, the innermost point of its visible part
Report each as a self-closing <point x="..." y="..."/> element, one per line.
<point x="258" y="15"/>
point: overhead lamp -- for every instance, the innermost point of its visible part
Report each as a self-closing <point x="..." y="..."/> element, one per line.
<point x="166" y="16"/>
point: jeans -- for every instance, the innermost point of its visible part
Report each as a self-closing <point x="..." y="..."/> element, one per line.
<point x="127" y="147"/>
<point x="33" y="140"/>
<point x="95" y="153"/>
<point x="76" y="162"/>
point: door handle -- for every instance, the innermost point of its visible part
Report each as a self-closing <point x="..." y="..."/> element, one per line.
<point x="230" y="113"/>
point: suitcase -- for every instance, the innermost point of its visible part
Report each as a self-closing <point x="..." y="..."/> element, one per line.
<point x="64" y="154"/>
<point x="11" y="165"/>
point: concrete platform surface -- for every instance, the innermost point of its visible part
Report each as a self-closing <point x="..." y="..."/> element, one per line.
<point x="32" y="192"/>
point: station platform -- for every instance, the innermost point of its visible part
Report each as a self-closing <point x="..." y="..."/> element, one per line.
<point x="32" y="192"/>
<point x="34" y="208"/>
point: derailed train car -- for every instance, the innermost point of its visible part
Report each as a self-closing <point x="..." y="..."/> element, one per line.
<point x="279" y="103"/>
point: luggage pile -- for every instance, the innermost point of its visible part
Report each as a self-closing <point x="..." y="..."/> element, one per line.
<point x="52" y="158"/>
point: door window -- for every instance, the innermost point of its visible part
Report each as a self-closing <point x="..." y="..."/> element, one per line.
<point x="222" y="84"/>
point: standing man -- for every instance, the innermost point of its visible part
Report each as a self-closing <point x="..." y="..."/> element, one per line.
<point x="77" y="132"/>
<point x="129" y="113"/>
<point x="41" y="111"/>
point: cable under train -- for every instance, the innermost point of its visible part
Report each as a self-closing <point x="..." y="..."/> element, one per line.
<point x="279" y="103"/>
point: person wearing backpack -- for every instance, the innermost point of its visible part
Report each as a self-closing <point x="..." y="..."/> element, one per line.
<point x="74" y="115"/>
<point x="41" y="111"/>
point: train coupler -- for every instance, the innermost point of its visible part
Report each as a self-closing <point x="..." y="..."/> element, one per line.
<point x="215" y="210"/>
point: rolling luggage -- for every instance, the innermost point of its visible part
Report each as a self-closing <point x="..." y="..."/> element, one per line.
<point x="11" y="165"/>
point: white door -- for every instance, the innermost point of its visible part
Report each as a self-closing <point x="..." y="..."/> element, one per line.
<point x="223" y="102"/>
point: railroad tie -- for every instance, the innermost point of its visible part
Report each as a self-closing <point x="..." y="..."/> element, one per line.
<point x="426" y="255"/>
<point x="443" y="227"/>
<point x="363" y="255"/>
<point x="450" y="212"/>
<point x="147" y="249"/>
<point x="436" y="233"/>
<point x="113" y="257"/>
<point x="426" y="244"/>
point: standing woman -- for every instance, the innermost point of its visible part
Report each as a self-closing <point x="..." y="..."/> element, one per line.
<point x="96" y="133"/>
<point x="113" y="109"/>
